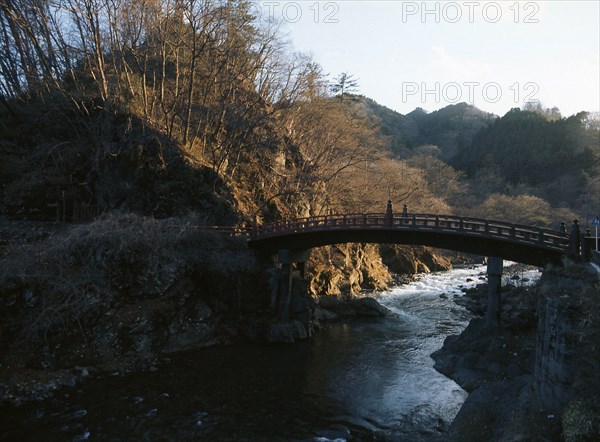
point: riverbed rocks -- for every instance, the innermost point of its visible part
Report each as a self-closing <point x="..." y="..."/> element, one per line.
<point x="353" y="307"/>
<point x="326" y="310"/>
<point x="480" y="355"/>
<point x="496" y="366"/>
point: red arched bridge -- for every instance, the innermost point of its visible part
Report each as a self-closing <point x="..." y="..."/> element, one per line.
<point x="293" y="240"/>
<point x="515" y="242"/>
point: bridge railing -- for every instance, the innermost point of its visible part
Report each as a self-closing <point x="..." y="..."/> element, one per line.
<point x="479" y="226"/>
<point x="442" y="223"/>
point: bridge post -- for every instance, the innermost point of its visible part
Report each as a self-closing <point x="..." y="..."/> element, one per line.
<point x="494" y="271"/>
<point x="389" y="214"/>
<point x="588" y="246"/>
<point x="285" y="291"/>
<point x="301" y="266"/>
<point x="575" y="239"/>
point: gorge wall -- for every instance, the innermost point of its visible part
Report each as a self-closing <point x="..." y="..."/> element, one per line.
<point x="535" y="375"/>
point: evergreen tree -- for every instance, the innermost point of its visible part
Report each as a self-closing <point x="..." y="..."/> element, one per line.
<point x="344" y="83"/>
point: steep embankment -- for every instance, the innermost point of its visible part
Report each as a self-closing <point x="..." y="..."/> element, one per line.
<point x="117" y="293"/>
<point x="122" y="292"/>
<point x="535" y="376"/>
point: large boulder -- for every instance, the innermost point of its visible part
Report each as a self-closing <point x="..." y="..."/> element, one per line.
<point x="287" y="332"/>
<point x="408" y="260"/>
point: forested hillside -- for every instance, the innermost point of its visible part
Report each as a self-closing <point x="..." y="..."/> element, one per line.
<point x="530" y="165"/>
<point x="163" y="108"/>
<point x="528" y="152"/>
<point x="447" y="129"/>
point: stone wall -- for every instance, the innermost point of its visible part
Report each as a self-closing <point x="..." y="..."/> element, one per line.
<point x="556" y="355"/>
<point x="567" y="309"/>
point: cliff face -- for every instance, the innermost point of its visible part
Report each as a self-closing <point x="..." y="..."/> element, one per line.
<point x="346" y="269"/>
<point x="535" y="376"/>
<point x="567" y="359"/>
<point x="410" y="260"/>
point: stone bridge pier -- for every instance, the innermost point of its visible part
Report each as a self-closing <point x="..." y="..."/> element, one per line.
<point x="495" y="266"/>
<point x="289" y="288"/>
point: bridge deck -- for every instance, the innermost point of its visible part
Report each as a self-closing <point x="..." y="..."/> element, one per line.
<point x="468" y="234"/>
<point x="542" y="237"/>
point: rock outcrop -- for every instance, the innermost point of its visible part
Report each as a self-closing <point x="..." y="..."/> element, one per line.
<point x="346" y="270"/>
<point x="535" y="376"/>
<point x="410" y="260"/>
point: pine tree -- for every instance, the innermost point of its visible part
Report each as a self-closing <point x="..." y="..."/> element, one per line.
<point x="344" y="83"/>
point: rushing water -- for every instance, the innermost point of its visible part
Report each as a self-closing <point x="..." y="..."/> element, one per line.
<point x="367" y="379"/>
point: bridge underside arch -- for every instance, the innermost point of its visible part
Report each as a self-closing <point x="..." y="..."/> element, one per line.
<point x="476" y="244"/>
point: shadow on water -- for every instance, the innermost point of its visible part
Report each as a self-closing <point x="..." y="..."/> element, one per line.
<point x="363" y="380"/>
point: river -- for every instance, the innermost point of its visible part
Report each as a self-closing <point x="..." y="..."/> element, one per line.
<point x="360" y="380"/>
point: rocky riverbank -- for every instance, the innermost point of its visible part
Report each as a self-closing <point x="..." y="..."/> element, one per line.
<point x="124" y="292"/>
<point x="118" y="295"/>
<point x="534" y="377"/>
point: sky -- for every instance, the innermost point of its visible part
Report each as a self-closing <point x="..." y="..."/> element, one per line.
<point x="495" y="55"/>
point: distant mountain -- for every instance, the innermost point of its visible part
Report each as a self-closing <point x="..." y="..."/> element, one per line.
<point x="555" y="157"/>
<point x="401" y="131"/>
<point x="450" y="128"/>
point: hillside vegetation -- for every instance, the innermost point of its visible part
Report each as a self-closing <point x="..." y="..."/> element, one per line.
<point x="163" y="108"/>
<point x="167" y="114"/>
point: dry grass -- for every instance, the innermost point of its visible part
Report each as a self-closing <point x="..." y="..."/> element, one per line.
<point x="63" y="283"/>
